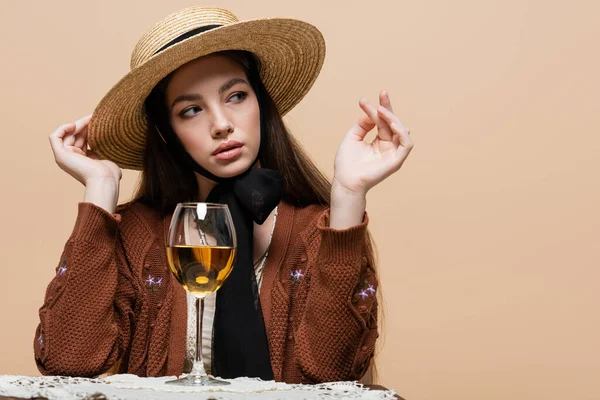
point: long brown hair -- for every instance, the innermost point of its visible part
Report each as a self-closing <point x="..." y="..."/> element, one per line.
<point x="164" y="181"/>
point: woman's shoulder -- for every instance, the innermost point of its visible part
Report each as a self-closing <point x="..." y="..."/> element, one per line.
<point x="307" y="216"/>
<point x="134" y="207"/>
<point x="136" y="215"/>
<point x="308" y="211"/>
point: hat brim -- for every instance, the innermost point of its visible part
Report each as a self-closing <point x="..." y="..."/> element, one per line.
<point x="291" y="52"/>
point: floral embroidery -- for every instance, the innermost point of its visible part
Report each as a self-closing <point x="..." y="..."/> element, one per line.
<point x="41" y="340"/>
<point x="153" y="283"/>
<point x="61" y="270"/>
<point x="370" y="289"/>
<point x="296" y="275"/>
<point x="366" y="290"/>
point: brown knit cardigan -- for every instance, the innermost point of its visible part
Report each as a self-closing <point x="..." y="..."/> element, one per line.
<point x="114" y="303"/>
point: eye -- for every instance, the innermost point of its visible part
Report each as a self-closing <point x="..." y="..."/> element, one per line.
<point x="185" y="113"/>
<point x="241" y="95"/>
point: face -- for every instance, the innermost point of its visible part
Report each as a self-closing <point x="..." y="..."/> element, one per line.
<point x="212" y="104"/>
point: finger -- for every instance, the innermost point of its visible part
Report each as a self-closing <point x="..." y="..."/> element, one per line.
<point x="402" y="152"/>
<point x="69" y="139"/>
<point x="84" y="135"/>
<point x="384" y="100"/>
<point x="80" y="129"/>
<point x="81" y="139"/>
<point x="56" y="137"/>
<point x="82" y="123"/>
<point x="80" y="142"/>
<point x="360" y="129"/>
<point x="389" y="116"/>
<point x="74" y="149"/>
<point x="396" y="140"/>
<point x="92" y="154"/>
<point x="397" y="127"/>
<point x="383" y="129"/>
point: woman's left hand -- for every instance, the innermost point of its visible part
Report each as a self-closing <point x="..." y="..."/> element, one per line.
<point x="360" y="165"/>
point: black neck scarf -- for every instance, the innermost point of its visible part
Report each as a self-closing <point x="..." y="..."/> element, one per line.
<point x="239" y="343"/>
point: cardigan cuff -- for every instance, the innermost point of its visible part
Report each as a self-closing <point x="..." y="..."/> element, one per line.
<point x="341" y="245"/>
<point x="95" y="225"/>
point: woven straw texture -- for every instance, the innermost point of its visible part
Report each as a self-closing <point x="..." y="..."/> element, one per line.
<point x="292" y="53"/>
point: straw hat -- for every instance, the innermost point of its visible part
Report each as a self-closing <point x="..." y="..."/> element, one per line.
<point x="291" y="53"/>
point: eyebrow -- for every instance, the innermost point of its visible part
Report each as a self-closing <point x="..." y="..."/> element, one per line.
<point x="197" y="97"/>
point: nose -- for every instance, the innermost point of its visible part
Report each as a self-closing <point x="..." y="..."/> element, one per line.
<point x="222" y="125"/>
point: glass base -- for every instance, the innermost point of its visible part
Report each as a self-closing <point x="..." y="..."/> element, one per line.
<point x="198" y="380"/>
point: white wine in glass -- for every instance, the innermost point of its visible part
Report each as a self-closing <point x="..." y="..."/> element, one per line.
<point x="201" y="250"/>
<point x="201" y="270"/>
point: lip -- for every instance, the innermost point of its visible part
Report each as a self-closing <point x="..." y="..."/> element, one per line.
<point x="226" y="146"/>
<point x="229" y="154"/>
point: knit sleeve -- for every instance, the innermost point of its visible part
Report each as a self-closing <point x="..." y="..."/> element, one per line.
<point x="87" y="315"/>
<point x="336" y="337"/>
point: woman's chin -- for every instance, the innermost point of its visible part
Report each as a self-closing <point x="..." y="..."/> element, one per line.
<point x="231" y="169"/>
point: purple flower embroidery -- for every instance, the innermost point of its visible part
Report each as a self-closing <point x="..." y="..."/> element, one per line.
<point x="370" y="289"/>
<point x="62" y="269"/>
<point x="153" y="284"/>
<point x="41" y="340"/>
<point x="366" y="290"/>
<point x="296" y="275"/>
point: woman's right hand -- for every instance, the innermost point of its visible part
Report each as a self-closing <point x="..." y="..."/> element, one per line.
<point x="69" y="144"/>
<point x="100" y="177"/>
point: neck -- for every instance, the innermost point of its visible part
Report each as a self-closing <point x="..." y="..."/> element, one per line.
<point x="205" y="185"/>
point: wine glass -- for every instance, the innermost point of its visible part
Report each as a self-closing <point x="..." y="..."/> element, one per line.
<point x="201" y="250"/>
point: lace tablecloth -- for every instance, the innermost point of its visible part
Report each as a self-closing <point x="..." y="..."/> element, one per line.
<point x="126" y="386"/>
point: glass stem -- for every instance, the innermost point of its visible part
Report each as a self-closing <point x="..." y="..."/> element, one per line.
<point x="198" y="368"/>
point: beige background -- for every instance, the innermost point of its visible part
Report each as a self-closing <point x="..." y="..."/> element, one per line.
<point x="488" y="233"/>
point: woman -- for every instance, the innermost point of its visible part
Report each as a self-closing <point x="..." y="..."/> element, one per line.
<point x="200" y="114"/>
